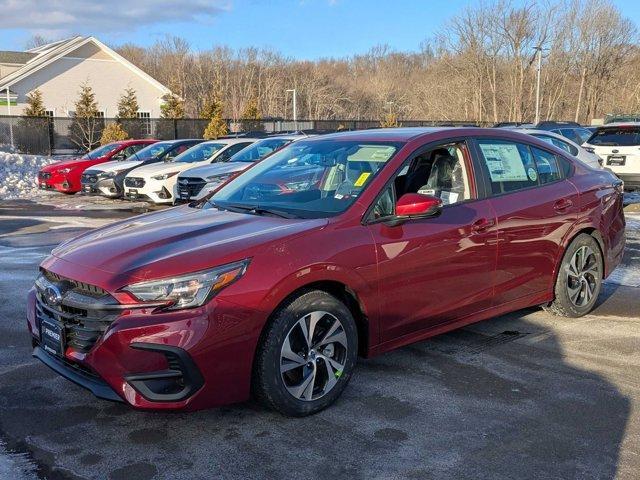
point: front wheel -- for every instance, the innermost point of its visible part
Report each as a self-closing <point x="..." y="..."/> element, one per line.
<point x="307" y="355"/>
<point x="579" y="278"/>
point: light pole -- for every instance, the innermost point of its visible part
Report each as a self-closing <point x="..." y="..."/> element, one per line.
<point x="539" y="51"/>
<point x="295" y="109"/>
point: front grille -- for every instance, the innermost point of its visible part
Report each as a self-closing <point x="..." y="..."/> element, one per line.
<point x="80" y="287"/>
<point x="89" y="178"/>
<point x="84" y="313"/>
<point x="45" y="175"/>
<point x="192" y="185"/>
<point x="134" y="182"/>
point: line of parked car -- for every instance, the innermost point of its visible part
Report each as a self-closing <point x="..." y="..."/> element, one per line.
<point x="176" y="171"/>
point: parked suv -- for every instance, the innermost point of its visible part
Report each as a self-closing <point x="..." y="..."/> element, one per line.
<point x="197" y="183"/>
<point x="618" y="145"/>
<point x="395" y="235"/>
<point x="65" y="176"/>
<point x="107" y="179"/>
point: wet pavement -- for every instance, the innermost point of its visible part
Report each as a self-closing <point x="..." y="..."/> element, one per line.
<point x="526" y="395"/>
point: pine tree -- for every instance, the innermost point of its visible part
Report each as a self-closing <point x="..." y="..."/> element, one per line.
<point x="113" y="133"/>
<point x="217" y="126"/>
<point x="85" y="130"/>
<point x="172" y="106"/>
<point x="390" y="120"/>
<point x="251" y="119"/>
<point x="128" y="104"/>
<point x="35" y="105"/>
<point x="86" y="105"/>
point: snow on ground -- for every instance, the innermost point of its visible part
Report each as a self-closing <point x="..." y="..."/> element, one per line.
<point x="18" y="175"/>
<point x="628" y="272"/>
<point x="15" y="466"/>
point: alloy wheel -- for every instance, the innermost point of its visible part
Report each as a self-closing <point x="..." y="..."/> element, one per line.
<point x="583" y="275"/>
<point x="313" y="356"/>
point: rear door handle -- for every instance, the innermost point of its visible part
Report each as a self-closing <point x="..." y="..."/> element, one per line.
<point x="482" y="225"/>
<point x="562" y="205"/>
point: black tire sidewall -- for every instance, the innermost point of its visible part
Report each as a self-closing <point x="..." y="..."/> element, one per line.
<point x="270" y="379"/>
<point x="561" y="290"/>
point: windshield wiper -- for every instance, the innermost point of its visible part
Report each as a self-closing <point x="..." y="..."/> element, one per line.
<point x="259" y="210"/>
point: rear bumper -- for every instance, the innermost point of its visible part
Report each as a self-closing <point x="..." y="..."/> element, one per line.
<point x="631" y="180"/>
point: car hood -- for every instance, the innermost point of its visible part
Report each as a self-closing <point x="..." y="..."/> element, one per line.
<point x="72" y="163"/>
<point x="172" y="242"/>
<point x="116" y="165"/>
<point x="216" y="169"/>
<point x="159" y="168"/>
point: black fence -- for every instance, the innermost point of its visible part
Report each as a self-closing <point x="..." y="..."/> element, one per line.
<point x="61" y="135"/>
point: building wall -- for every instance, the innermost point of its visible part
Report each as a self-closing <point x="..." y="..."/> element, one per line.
<point x="60" y="83"/>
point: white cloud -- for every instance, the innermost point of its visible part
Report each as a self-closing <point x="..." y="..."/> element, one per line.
<point x="99" y="16"/>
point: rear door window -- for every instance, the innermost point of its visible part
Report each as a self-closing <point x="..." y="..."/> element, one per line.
<point x="547" y="165"/>
<point x="616" y="137"/>
<point x="510" y="165"/>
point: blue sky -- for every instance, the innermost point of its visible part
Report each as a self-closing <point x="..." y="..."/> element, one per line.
<point x="303" y="29"/>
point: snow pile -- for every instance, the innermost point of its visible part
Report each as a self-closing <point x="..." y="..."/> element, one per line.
<point x="18" y="174"/>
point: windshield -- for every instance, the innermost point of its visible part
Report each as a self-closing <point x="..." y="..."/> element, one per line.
<point x="616" y="137"/>
<point x="259" y="150"/>
<point x="200" y="152"/>
<point x="100" y="151"/>
<point x="155" y="150"/>
<point x="307" y="179"/>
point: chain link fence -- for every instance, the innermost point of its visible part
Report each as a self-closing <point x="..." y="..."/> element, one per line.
<point x="62" y="135"/>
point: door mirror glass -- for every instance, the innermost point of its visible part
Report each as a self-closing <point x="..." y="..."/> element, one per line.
<point x="417" y="205"/>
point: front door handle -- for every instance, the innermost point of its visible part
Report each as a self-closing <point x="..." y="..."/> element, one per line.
<point x="562" y="205"/>
<point x="482" y="225"/>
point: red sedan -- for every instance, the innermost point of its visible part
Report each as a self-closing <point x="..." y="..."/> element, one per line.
<point x="65" y="176"/>
<point x="394" y="236"/>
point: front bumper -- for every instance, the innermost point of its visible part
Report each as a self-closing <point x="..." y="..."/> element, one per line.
<point x="631" y="180"/>
<point x="155" y="191"/>
<point x="57" y="182"/>
<point x="105" y="187"/>
<point x="182" y="360"/>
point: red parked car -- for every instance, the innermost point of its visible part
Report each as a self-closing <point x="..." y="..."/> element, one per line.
<point x="408" y="233"/>
<point x="65" y="176"/>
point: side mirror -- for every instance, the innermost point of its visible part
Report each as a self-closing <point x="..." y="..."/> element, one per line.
<point x="416" y="205"/>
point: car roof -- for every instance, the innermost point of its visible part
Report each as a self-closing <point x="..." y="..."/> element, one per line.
<point x="231" y="141"/>
<point x="537" y="131"/>
<point x="399" y="134"/>
<point x="620" y="124"/>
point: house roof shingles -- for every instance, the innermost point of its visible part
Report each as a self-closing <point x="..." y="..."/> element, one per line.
<point x="20" y="58"/>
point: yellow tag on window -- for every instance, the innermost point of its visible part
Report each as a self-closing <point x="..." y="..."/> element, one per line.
<point x="361" y="179"/>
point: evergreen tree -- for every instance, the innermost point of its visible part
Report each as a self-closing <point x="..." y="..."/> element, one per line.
<point x="251" y="119"/>
<point x="217" y="126"/>
<point x="172" y="106"/>
<point x="128" y="104"/>
<point x="86" y="105"/>
<point x="35" y="105"/>
<point x="113" y="133"/>
<point x="86" y="128"/>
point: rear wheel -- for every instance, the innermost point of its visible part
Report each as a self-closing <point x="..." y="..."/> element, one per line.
<point x="307" y="355"/>
<point x="579" y="278"/>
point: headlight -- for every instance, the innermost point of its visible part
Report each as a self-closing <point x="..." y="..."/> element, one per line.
<point x="64" y="170"/>
<point x="188" y="291"/>
<point x="219" y="178"/>
<point x="164" y="176"/>
<point x="590" y="149"/>
<point x="104" y="175"/>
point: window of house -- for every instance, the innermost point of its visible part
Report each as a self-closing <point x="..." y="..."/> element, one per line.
<point x="146" y="121"/>
<point x="441" y="172"/>
<point x="49" y="113"/>
<point x="510" y="165"/>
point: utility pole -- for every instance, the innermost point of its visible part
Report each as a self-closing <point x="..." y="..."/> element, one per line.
<point x="295" y="109"/>
<point x="539" y="49"/>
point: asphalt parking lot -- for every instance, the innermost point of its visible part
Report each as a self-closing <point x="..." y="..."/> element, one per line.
<point x="526" y="395"/>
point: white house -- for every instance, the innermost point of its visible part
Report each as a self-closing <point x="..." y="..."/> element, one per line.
<point x="58" y="69"/>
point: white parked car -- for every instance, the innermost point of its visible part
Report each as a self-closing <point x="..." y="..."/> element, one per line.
<point x="196" y="183"/>
<point x="618" y="145"/>
<point x="562" y="142"/>
<point x="156" y="182"/>
<point x="107" y="179"/>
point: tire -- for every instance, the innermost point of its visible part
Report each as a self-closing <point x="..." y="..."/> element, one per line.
<point x="579" y="279"/>
<point x="329" y="364"/>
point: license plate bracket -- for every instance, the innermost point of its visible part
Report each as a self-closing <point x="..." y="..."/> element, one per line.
<point x="52" y="337"/>
<point x="617" y="160"/>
